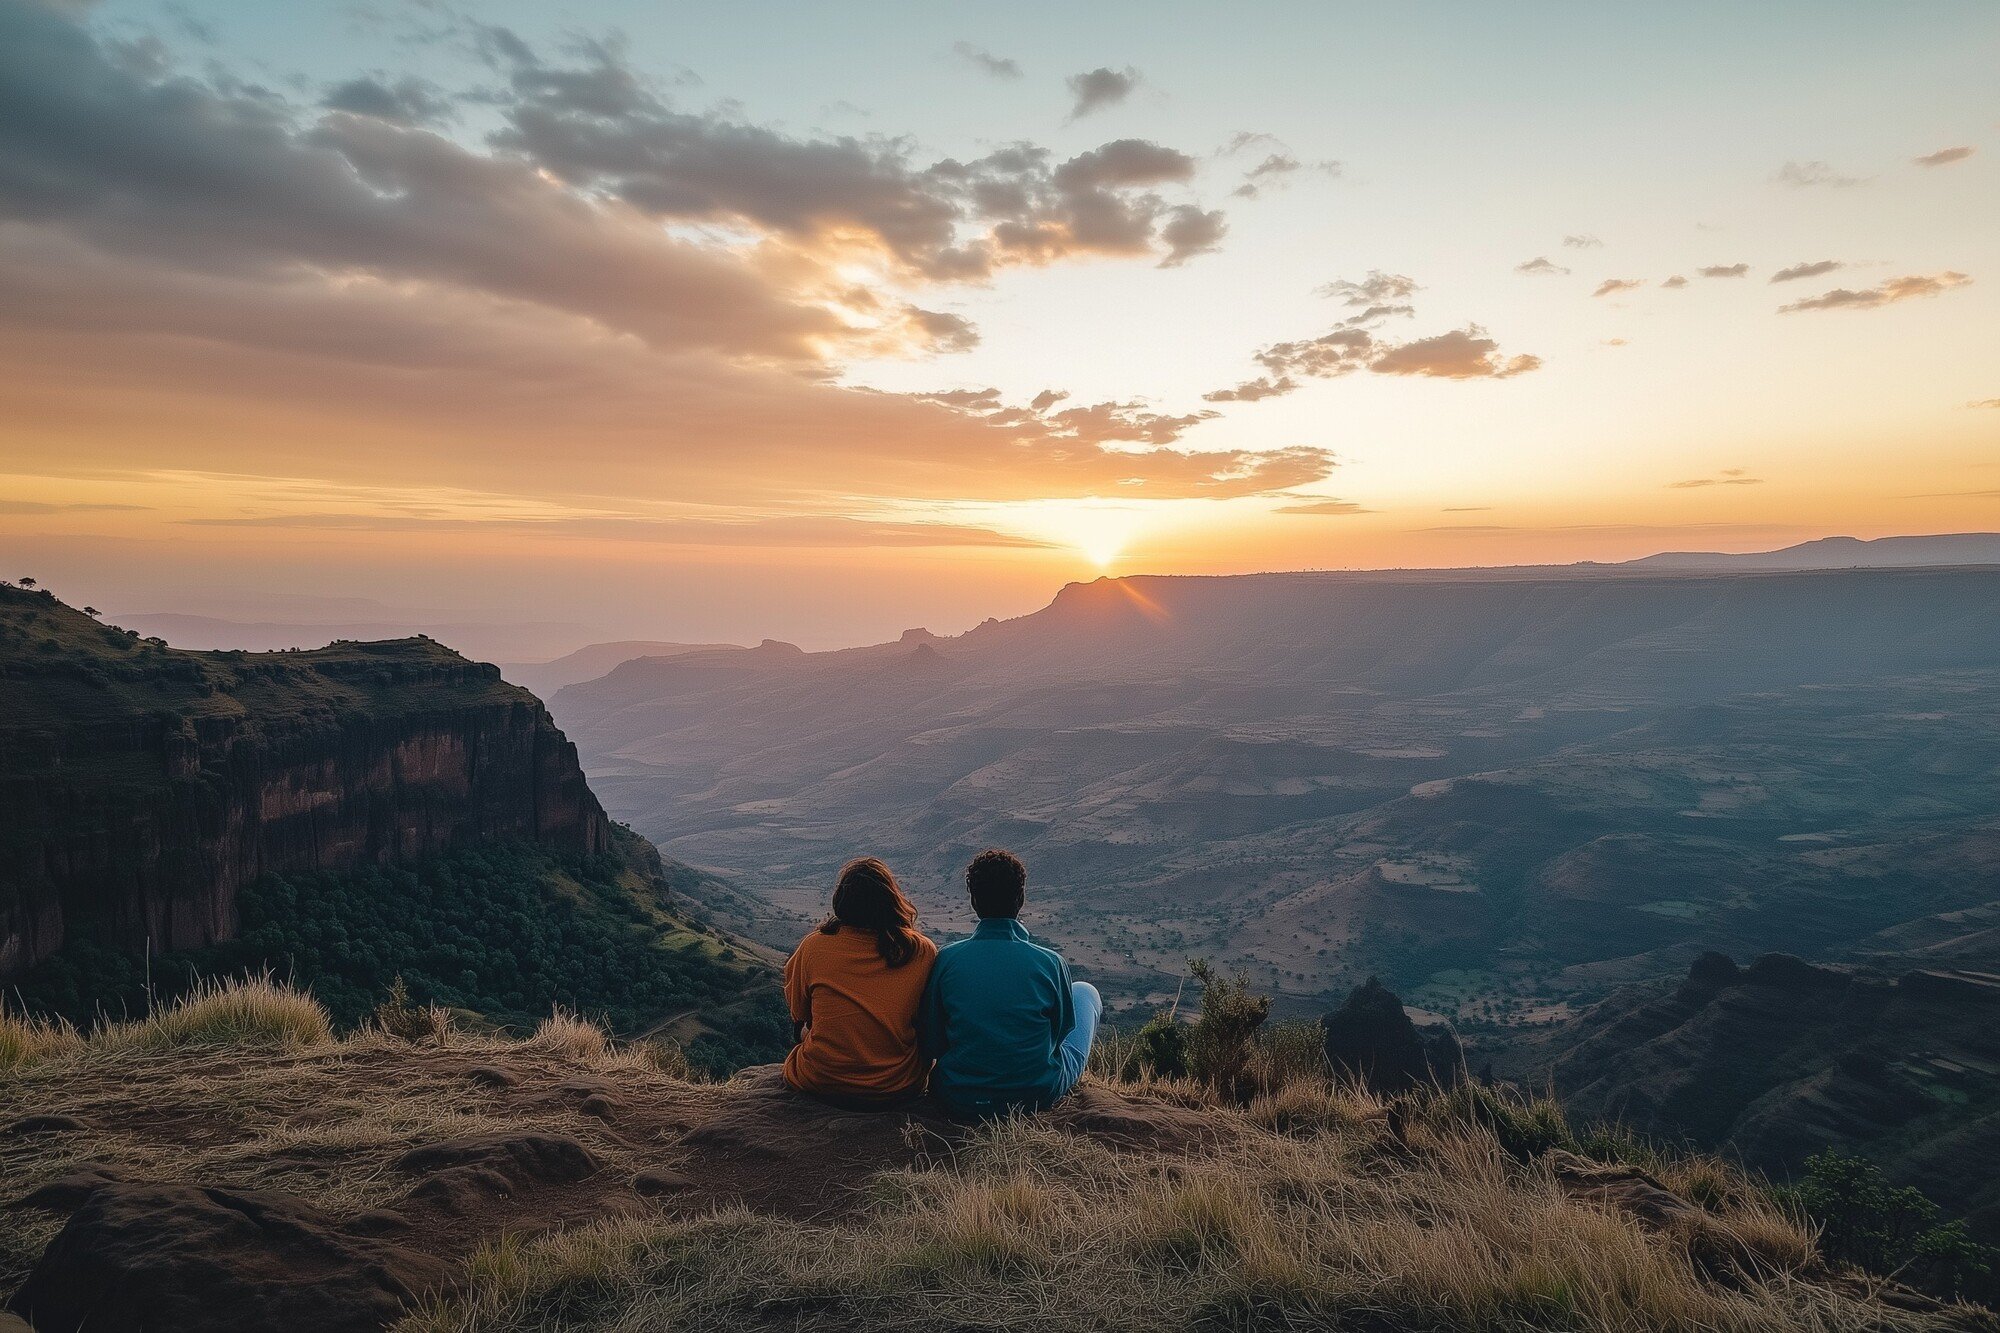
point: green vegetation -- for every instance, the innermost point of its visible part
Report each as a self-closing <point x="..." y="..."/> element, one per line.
<point x="1891" y="1230"/>
<point x="506" y="932"/>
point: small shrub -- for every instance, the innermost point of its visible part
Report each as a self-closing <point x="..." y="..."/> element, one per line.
<point x="409" y="1022"/>
<point x="1867" y="1222"/>
<point x="1157" y="1050"/>
<point x="1219" y="1041"/>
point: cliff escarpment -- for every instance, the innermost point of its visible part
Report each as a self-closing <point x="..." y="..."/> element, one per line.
<point x="1782" y="1059"/>
<point x="142" y="786"/>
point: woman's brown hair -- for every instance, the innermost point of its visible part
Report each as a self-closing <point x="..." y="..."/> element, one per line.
<point x="867" y="897"/>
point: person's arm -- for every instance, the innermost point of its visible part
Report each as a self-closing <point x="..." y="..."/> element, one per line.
<point x="798" y="995"/>
<point x="931" y="1039"/>
<point x="1065" y="1012"/>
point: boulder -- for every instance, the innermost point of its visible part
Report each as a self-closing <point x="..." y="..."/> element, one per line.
<point x="1372" y="1040"/>
<point x="67" y="1192"/>
<point x="196" y="1259"/>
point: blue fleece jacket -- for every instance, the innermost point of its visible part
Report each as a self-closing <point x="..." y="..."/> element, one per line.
<point x="996" y="1008"/>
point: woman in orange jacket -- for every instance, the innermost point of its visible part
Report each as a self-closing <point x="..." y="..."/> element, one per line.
<point x="854" y="986"/>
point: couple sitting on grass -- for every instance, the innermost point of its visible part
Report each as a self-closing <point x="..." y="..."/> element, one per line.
<point x="991" y="1024"/>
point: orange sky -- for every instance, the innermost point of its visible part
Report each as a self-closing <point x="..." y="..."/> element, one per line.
<point x="550" y="329"/>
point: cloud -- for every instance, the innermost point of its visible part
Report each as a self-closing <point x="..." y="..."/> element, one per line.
<point x="1466" y="509"/>
<point x="816" y="530"/>
<point x="1541" y="264"/>
<point x="1887" y="292"/>
<point x="1805" y="175"/>
<point x="1671" y="284"/>
<point x="1582" y="242"/>
<point x="1809" y="270"/>
<point x="1375" y="289"/>
<point x="1190" y="231"/>
<point x="1324" y="508"/>
<point x="1250" y="391"/>
<point x="1734" y="476"/>
<point x="1944" y="157"/>
<point x="403" y="101"/>
<point x="1723" y="270"/>
<point x="1459" y="355"/>
<point x="1099" y="88"/>
<point x="204" y="271"/>
<point x="1985" y="402"/>
<point x="998" y="66"/>
<point x="1276" y="168"/>
<point x="37" y="507"/>
<point x="1612" y="286"/>
<point x="597" y="129"/>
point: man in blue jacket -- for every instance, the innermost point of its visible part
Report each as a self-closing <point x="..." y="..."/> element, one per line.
<point x="1008" y="1028"/>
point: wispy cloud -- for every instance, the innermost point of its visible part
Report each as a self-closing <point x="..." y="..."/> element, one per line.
<point x="1806" y="175"/>
<point x="1674" y="283"/>
<point x="1325" y="508"/>
<point x="1733" y="476"/>
<point x="1612" y="286"/>
<point x="1887" y="292"/>
<point x="1944" y="157"/>
<point x="1540" y="264"/>
<point x="1813" y="269"/>
<point x="1723" y="270"/>
<point x="793" y="530"/>
<point x="1000" y="67"/>
<point x="1582" y="241"/>
<point x="37" y="507"/>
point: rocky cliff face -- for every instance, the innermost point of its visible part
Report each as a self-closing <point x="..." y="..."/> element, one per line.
<point x="141" y="786"/>
<point x="1780" y="1059"/>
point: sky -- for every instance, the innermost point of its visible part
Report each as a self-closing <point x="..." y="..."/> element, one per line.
<point x="717" y="323"/>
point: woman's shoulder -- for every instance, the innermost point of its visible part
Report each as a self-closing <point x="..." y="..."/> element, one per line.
<point x="926" y="947"/>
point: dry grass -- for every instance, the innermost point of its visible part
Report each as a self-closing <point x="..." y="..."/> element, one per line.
<point x="25" y="1039"/>
<point x="1030" y="1228"/>
<point x="253" y="1012"/>
<point x="571" y="1036"/>
<point x="1319" y="1205"/>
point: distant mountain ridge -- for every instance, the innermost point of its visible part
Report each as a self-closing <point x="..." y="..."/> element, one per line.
<point x="1532" y="787"/>
<point x="1951" y="548"/>
<point x="588" y="663"/>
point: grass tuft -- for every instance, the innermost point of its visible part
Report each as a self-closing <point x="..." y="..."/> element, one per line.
<point x="25" y="1038"/>
<point x="571" y="1036"/>
<point x="254" y="1011"/>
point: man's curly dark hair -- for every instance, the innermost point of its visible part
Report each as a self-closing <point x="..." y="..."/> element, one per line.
<point x="998" y="883"/>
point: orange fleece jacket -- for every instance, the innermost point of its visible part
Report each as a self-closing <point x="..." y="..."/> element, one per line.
<point x="860" y="1015"/>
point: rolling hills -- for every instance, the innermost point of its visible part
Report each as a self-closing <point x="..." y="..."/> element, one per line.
<point x="1505" y="791"/>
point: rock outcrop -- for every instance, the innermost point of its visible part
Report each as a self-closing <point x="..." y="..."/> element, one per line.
<point x="141" y="786"/>
<point x="194" y="1259"/>
<point x="1372" y="1039"/>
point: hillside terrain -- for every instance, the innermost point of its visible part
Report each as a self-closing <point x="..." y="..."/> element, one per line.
<point x="1507" y="792"/>
<point x="356" y="818"/>
<point x="229" y="1163"/>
